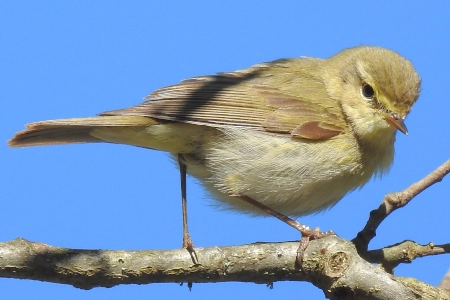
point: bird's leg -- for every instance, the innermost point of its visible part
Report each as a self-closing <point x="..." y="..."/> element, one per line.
<point x="187" y="241"/>
<point x="306" y="232"/>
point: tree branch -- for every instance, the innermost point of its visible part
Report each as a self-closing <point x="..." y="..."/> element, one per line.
<point x="260" y="263"/>
<point x="393" y="201"/>
<point x="331" y="264"/>
<point x="445" y="282"/>
<point x="404" y="252"/>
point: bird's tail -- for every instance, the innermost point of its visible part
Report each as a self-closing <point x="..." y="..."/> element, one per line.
<point x="76" y="130"/>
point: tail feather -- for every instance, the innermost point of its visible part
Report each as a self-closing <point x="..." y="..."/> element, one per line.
<point x="76" y="130"/>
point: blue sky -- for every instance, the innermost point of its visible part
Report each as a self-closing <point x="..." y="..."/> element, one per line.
<point x="64" y="59"/>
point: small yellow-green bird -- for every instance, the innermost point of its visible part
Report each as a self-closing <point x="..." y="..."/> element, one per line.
<point x="295" y="135"/>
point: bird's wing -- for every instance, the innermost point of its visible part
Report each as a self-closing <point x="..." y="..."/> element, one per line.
<point x="284" y="96"/>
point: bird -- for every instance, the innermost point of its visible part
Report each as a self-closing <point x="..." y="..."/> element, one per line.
<point x="292" y="136"/>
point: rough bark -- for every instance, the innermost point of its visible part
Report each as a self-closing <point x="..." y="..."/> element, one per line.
<point x="332" y="264"/>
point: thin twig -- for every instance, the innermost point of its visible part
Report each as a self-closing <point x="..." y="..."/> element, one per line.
<point x="405" y="252"/>
<point x="393" y="201"/>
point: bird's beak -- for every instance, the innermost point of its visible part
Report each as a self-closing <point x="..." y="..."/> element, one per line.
<point x="397" y="122"/>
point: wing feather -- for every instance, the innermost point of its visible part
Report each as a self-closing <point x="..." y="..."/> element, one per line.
<point x="277" y="97"/>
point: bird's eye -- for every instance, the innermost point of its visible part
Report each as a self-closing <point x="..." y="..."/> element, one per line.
<point x="367" y="91"/>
